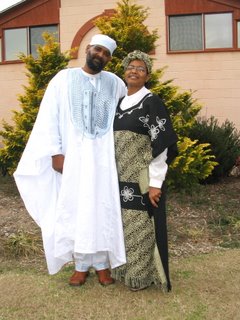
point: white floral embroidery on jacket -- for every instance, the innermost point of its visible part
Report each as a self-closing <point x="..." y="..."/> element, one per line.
<point x="153" y="130"/>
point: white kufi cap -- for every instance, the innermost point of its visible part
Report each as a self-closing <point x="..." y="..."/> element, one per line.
<point x="105" y="41"/>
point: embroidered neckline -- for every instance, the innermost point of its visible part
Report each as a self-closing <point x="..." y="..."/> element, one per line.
<point x="139" y="105"/>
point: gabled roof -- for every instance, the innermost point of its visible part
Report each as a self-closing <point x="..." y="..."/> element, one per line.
<point x="30" y="12"/>
<point x="231" y="3"/>
<point x="12" y="6"/>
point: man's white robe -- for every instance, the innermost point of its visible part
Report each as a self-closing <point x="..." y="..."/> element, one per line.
<point x="78" y="211"/>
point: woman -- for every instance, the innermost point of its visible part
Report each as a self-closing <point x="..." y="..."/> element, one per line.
<point x="145" y="145"/>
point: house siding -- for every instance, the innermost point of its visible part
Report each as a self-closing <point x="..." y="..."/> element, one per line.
<point x="214" y="77"/>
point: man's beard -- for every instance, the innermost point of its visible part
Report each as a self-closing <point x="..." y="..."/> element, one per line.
<point x="94" y="63"/>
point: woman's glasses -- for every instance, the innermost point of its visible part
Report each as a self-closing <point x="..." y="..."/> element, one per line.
<point x="137" y="68"/>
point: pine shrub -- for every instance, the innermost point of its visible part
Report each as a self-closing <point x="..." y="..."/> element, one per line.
<point x="225" y="144"/>
<point x="39" y="72"/>
<point x="127" y="27"/>
<point x="194" y="163"/>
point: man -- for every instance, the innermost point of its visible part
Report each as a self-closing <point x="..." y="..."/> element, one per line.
<point x="67" y="174"/>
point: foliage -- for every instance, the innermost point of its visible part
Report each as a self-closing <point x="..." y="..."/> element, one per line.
<point x="23" y="244"/>
<point x="225" y="144"/>
<point x="193" y="163"/>
<point x="127" y="27"/>
<point x="39" y="72"/>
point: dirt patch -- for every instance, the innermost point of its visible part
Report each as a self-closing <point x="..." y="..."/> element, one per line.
<point x="206" y="220"/>
<point x="200" y="222"/>
<point x="14" y="217"/>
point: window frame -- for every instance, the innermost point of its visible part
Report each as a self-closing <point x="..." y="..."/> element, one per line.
<point x="238" y="34"/>
<point x="28" y="29"/>
<point x="235" y="35"/>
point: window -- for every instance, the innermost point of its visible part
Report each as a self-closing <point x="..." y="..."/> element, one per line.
<point x="15" y="42"/>
<point x="25" y="40"/>
<point x="200" y="32"/>
<point x="36" y="38"/>
<point x="185" y="33"/>
<point x="218" y="30"/>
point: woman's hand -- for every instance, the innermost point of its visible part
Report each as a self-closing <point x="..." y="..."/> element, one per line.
<point x="57" y="162"/>
<point x="154" y="196"/>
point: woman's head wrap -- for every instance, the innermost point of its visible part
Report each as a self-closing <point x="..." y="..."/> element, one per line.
<point x="138" y="55"/>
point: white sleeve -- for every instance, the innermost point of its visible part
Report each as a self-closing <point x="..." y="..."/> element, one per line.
<point x="158" y="170"/>
<point x="46" y="128"/>
<point x="122" y="88"/>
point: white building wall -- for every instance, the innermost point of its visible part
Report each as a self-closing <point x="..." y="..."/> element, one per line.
<point x="12" y="78"/>
<point x="213" y="77"/>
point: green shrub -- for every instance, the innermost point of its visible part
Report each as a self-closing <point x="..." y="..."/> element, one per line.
<point x="194" y="162"/>
<point x="39" y="72"/>
<point x="225" y="144"/>
<point x="128" y="28"/>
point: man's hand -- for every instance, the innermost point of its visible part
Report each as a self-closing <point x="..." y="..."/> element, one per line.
<point x="154" y="196"/>
<point x="57" y="162"/>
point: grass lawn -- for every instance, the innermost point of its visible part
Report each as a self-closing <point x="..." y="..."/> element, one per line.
<point x="204" y="238"/>
<point x="205" y="286"/>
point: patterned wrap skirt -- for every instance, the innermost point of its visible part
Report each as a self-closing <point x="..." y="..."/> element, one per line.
<point x="144" y="266"/>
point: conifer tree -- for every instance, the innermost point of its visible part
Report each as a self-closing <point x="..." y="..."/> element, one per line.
<point x="127" y="27"/>
<point x="40" y="70"/>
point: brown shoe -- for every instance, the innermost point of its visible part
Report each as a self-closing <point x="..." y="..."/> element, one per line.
<point x="78" y="278"/>
<point x="104" y="277"/>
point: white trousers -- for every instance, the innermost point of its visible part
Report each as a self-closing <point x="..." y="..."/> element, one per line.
<point x="99" y="261"/>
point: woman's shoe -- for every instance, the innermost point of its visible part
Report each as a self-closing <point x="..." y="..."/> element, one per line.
<point x="138" y="288"/>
